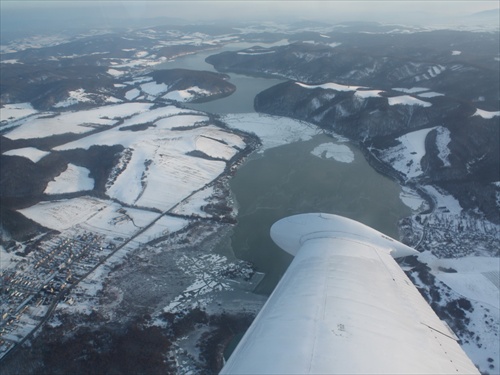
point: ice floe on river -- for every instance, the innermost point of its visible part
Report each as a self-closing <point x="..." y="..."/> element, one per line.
<point x="341" y="153"/>
<point x="273" y="131"/>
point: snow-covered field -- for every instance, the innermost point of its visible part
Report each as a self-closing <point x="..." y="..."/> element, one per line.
<point x="78" y="122"/>
<point x="430" y="94"/>
<point x="364" y="92"/>
<point x="192" y="206"/>
<point x="72" y="180"/>
<point x="368" y="93"/>
<point x="412" y="199"/>
<point x="161" y="172"/>
<point x="407" y="100"/>
<point x="444" y="201"/>
<point x="412" y="90"/>
<point x="158" y="170"/>
<point x="11" y="112"/>
<point x="164" y="226"/>
<point x="64" y="214"/>
<point x="406" y="156"/>
<point x="331" y="86"/>
<point x="34" y="154"/>
<point x="187" y="94"/>
<point x="154" y="89"/>
<point x="80" y="96"/>
<point x="477" y="279"/>
<point x="486" y="114"/>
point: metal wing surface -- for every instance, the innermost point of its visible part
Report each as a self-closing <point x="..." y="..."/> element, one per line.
<point x="344" y="306"/>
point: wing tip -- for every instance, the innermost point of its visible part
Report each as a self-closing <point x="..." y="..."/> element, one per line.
<point x="291" y="232"/>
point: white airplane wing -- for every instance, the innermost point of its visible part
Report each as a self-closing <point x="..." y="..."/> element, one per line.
<point x="344" y="306"/>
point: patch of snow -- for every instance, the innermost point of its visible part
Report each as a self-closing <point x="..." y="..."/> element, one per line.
<point x="436" y="70"/>
<point x="255" y="53"/>
<point x="472" y="276"/>
<point x="79" y="96"/>
<point x="111" y="99"/>
<point x="360" y="91"/>
<point x="11" y="61"/>
<point x="160" y="171"/>
<point x="368" y="93"/>
<point x="412" y="90"/>
<point x="442" y="141"/>
<point x="456" y="53"/>
<point x="214" y="148"/>
<point x="31" y="153"/>
<point x="164" y="226"/>
<point x="207" y="271"/>
<point x="75" y="122"/>
<point x="444" y="201"/>
<point x="72" y="180"/>
<point x="132" y="94"/>
<point x="158" y="113"/>
<point x="412" y="199"/>
<point x="486" y="114"/>
<point x="64" y="214"/>
<point x="116" y="73"/>
<point x="484" y="321"/>
<point x="430" y="94"/>
<point x="180" y="121"/>
<point x="192" y="205"/>
<point x="154" y="89"/>
<point x="186" y="95"/>
<point x="74" y="97"/>
<point x="11" y="112"/>
<point x="118" y="221"/>
<point x="331" y="86"/>
<point x="169" y="183"/>
<point x="141" y="54"/>
<point x="406" y="156"/>
<point x="407" y="100"/>
<point x="9" y="258"/>
<point x="341" y="153"/>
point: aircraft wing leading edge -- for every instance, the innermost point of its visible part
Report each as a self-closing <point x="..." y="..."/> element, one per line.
<point x="345" y="306"/>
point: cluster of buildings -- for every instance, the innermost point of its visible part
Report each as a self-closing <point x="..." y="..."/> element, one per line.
<point x="455" y="236"/>
<point x="32" y="286"/>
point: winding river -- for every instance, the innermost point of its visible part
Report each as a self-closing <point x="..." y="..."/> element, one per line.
<point x="289" y="179"/>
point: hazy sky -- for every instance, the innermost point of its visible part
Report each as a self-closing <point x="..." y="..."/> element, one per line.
<point x="403" y="11"/>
